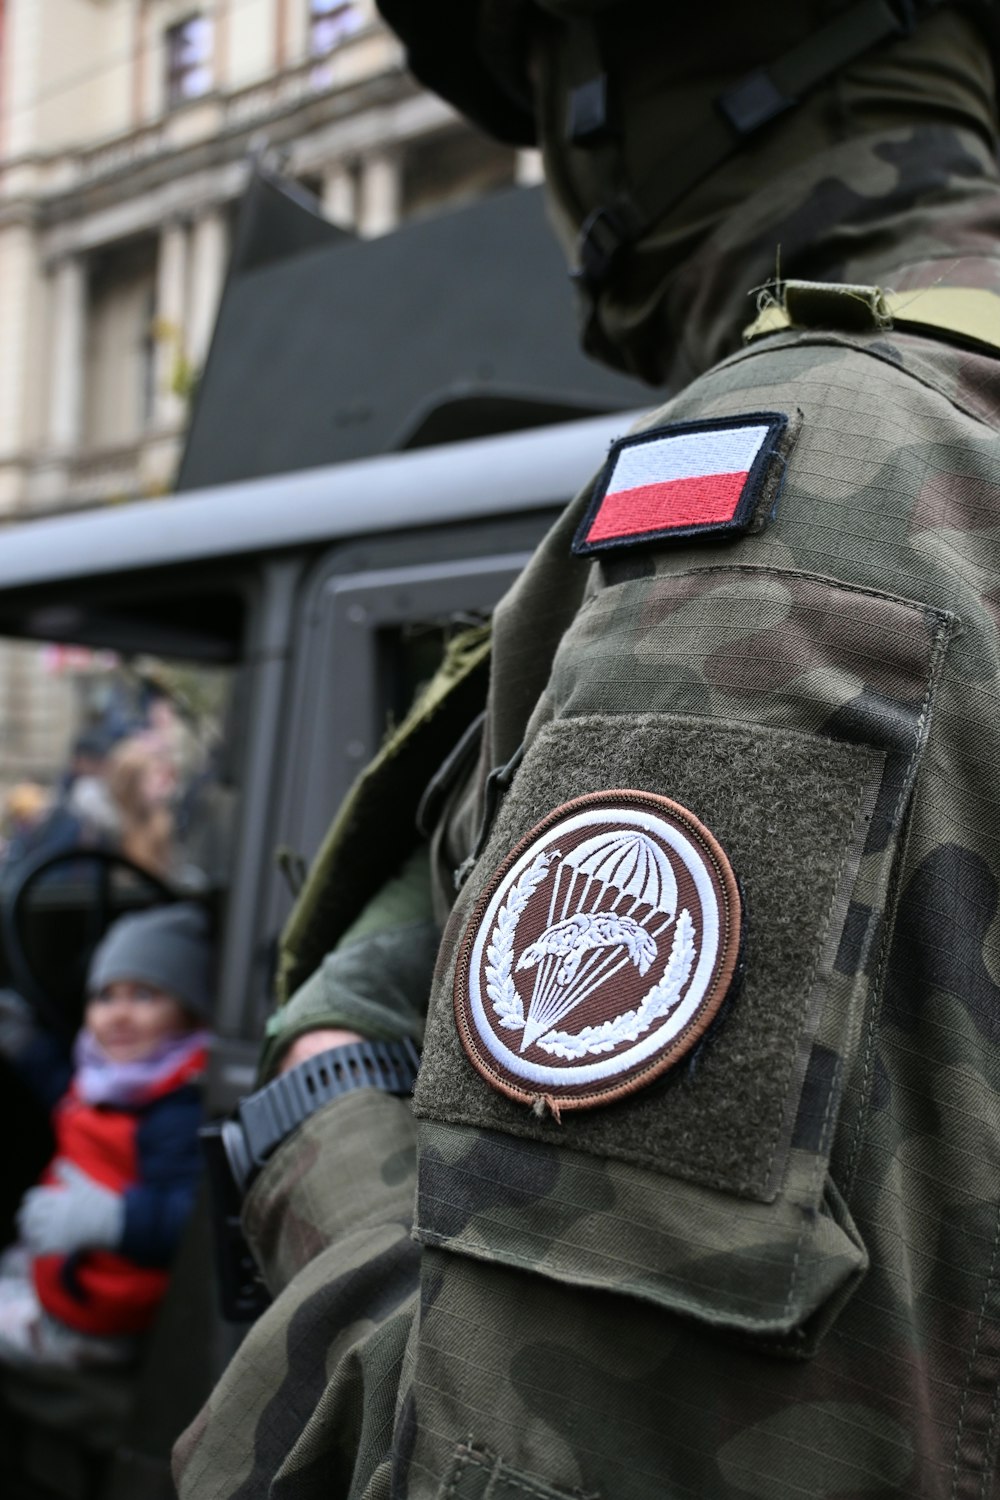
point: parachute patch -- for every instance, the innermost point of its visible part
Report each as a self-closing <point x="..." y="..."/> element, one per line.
<point x="600" y="953"/>
<point x="682" y="480"/>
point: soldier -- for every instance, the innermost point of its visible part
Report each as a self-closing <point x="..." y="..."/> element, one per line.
<point x="706" y="1136"/>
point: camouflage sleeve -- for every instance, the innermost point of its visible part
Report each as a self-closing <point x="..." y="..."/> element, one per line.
<point x="329" y="1222"/>
<point x="377" y="978"/>
<point x="771" y="1268"/>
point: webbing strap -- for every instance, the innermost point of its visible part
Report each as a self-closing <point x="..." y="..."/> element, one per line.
<point x="751" y="103"/>
<point x="971" y="314"/>
<point x="846" y="36"/>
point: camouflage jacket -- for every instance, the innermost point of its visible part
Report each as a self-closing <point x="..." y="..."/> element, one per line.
<point x="772" y="1270"/>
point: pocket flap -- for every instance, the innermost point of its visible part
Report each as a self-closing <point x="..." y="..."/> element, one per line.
<point x="753" y="1268"/>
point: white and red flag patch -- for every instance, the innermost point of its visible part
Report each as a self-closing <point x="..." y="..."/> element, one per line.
<point x="680" y="481"/>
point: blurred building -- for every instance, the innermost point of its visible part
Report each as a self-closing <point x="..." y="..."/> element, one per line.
<point x="126" y="132"/>
<point x="126" y="127"/>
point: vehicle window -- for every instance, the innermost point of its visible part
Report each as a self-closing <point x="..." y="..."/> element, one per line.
<point x="408" y="655"/>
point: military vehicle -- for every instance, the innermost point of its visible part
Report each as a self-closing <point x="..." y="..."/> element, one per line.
<point x="382" y="434"/>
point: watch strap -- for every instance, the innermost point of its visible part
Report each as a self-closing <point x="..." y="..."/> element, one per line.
<point x="269" y="1116"/>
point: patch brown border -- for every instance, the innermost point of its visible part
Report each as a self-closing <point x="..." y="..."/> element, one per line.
<point x="699" y="1023"/>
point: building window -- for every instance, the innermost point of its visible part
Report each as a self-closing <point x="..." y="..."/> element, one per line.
<point x="120" y="384"/>
<point x="330" y="22"/>
<point x="189" y="60"/>
<point x="147" y="361"/>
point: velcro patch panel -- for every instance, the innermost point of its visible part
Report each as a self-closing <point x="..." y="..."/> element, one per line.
<point x="682" y="480"/>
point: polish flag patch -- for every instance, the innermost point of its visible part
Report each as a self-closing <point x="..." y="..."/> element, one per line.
<point x="679" y="481"/>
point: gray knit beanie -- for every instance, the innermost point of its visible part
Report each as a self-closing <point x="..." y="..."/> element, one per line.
<point x="168" y="947"/>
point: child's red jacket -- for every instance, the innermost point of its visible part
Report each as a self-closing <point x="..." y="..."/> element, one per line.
<point x="149" y="1153"/>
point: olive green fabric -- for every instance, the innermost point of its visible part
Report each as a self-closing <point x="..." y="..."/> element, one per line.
<point x="810" y="823"/>
<point x="970" y="315"/>
<point x="314" y="1382"/>
<point x="376" y="979"/>
<point x="580" y="1326"/>
<point x="380" y="812"/>
<point x="479" y="1475"/>
<point x="779" y="1272"/>
<point x="721" y="1124"/>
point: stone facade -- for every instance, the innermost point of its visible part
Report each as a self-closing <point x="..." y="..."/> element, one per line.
<point x="127" y="129"/>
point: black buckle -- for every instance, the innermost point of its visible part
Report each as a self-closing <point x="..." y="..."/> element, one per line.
<point x="588" y="118"/>
<point x="752" y="102"/>
<point x="606" y="234"/>
<point x="242" y="1293"/>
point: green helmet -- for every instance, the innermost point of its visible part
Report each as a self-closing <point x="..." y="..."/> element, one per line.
<point x="444" y="50"/>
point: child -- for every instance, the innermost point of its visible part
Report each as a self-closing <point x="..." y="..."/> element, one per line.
<point x="98" y="1233"/>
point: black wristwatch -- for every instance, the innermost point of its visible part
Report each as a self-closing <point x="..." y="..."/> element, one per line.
<point x="264" y="1119"/>
<point x="237" y="1149"/>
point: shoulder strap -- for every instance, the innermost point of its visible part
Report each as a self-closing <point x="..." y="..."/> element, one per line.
<point x="968" y="315"/>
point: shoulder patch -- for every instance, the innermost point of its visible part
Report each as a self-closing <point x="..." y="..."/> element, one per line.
<point x="683" y="480"/>
<point x="600" y="952"/>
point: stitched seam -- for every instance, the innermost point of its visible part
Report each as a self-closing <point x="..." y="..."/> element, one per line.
<point x="811" y="980"/>
<point x="918" y="742"/>
<point x="972" y="1360"/>
<point x="749" y="570"/>
<point x="513" y="1258"/>
<point x="941" y="638"/>
<point x="461" y="1460"/>
<point x="876" y="990"/>
<point x="990" y="1437"/>
<point x="794" y="339"/>
<point x="501" y="1472"/>
<point x="806" y="1215"/>
<point x="834" y="585"/>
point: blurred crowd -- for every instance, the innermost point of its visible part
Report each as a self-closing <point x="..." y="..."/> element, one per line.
<point x="130" y="788"/>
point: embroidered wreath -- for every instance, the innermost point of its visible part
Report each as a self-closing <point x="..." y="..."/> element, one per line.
<point x="500" y="987"/>
<point x="628" y="1027"/>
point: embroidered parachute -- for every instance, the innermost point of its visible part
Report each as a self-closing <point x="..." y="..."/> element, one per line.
<point x="612" y="898"/>
<point x="581" y="934"/>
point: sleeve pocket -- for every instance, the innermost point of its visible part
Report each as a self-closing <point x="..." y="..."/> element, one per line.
<point x="709" y="1191"/>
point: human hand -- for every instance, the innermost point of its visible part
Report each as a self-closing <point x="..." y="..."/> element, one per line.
<point x="79" y="1214"/>
<point x="312" y="1043"/>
